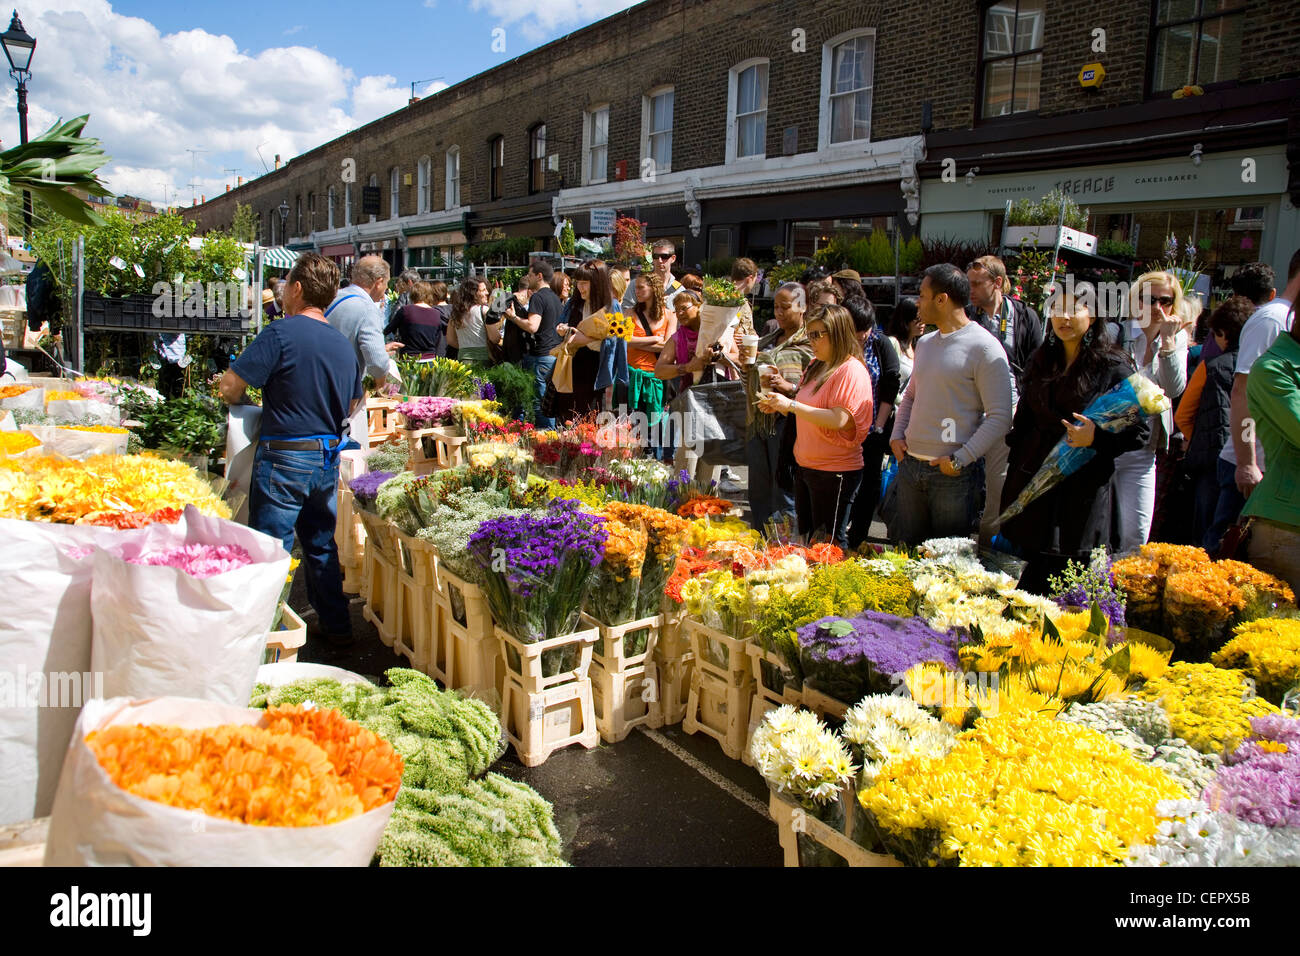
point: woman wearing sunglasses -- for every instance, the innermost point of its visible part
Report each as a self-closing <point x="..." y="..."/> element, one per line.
<point x="1158" y="347"/>
<point x="832" y="411"/>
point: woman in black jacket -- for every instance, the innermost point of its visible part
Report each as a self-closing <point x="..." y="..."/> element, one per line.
<point x="1075" y="364"/>
<point x="882" y="363"/>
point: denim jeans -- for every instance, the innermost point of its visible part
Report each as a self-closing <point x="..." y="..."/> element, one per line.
<point x="296" y="491"/>
<point x="541" y="366"/>
<point x="934" y="505"/>
<point x="823" y="502"/>
<point x="1135" y="491"/>
<point x="1227" y="507"/>
<point x="767" y="499"/>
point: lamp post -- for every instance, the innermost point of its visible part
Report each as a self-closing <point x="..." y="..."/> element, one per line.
<point x="19" y="47"/>
<point x="284" y="222"/>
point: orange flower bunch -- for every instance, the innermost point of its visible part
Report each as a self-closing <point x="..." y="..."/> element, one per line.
<point x="705" y="506"/>
<point x="136" y="519"/>
<point x="11" y="443"/>
<point x="1174" y="557"/>
<point x="13" y="391"/>
<point x="1245" y="575"/>
<point x="625" y="548"/>
<point x="63" y="396"/>
<point x="666" y="531"/>
<point x="106" y="429"/>
<point x="305" y="768"/>
<point x="1206" y="586"/>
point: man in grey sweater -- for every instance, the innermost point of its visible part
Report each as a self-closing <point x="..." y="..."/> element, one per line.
<point x="355" y="312"/>
<point x="956" y="408"/>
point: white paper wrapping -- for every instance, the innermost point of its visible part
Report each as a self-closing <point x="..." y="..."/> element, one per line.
<point x="160" y="631"/>
<point x="80" y="445"/>
<point x="97" y="823"/>
<point x="243" y="428"/>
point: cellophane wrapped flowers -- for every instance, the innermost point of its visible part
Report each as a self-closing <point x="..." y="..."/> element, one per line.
<point x="197" y="560"/>
<point x="302" y="768"/>
<point x="1268" y="652"/>
<point x="1017" y="790"/>
<point x="44" y="488"/>
<point x="1191" y="834"/>
<point x="846" y="658"/>
<point x="801" y="758"/>
<point x="613" y="598"/>
<point x="427" y="411"/>
<point x="13" y="443"/>
<point x="365" y="487"/>
<point x="883" y="727"/>
<point x="538" y="568"/>
<point x="1209" y="707"/>
<point x="665" y="535"/>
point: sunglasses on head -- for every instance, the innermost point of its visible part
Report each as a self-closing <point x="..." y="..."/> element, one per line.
<point x="664" y="255"/>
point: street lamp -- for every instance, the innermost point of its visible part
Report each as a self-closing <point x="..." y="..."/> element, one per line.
<point x="284" y="221"/>
<point x="19" y="47"/>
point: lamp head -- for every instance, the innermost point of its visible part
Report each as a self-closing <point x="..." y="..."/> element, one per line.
<point x="19" y="46"/>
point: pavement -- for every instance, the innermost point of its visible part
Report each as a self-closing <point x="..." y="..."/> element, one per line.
<point x="658" y="798"/>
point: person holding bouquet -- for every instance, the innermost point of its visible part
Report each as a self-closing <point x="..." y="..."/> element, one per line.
<point x="1075" y="365"/>
<point x="577" y="357"/>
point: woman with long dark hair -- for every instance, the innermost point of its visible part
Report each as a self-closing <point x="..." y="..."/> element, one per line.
<point x="470" y="324"/>
<point x="583" y="329"/>
<point x="653" y="326"/>
<point x="904" y="328"/>
<point x="882" y="365"/>
<point x="1075" y="364"/>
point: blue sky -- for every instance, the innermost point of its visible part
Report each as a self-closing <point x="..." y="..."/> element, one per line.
<point x="230" y="79"/>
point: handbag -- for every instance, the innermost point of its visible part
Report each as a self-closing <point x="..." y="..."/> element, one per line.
<point x="713" y="415"/>
<point x="1235" y="541"/>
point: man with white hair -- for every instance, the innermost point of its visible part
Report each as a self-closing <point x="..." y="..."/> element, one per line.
<point x="356" y="313"/>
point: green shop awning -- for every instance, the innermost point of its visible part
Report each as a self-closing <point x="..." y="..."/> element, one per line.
<point x="278" y="257"/>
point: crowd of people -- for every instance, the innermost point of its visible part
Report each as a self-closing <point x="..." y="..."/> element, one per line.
<point x="934" y="422"/>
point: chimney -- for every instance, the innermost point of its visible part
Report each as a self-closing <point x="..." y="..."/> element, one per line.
<point x="227" y="187"/>
<point x="412" y="101"/>
<point x="277" y="160"/>
<point x="203" y="199"/>
<point x="240" y="181"/>
<point x="194" y="202"/>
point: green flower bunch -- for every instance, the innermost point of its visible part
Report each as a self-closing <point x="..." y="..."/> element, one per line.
<point x="394" y="457"/>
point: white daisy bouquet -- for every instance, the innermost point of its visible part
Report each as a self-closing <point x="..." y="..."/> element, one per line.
<point x="800" y="757"/>
<point x="884" y="727"/>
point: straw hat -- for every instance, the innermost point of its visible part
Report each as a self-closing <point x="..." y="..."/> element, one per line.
<point x="267" y="296"/>
<point x="847" y="274"/>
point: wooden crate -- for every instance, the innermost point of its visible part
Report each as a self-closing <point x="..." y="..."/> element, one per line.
<point x="792" y="821"/>
<point x="770" y="692"/>
<point x="433" y="448"/>
<point x="379" y="587"/>
<point x="527" y="663"/>
<point x="674" y="690"/>
<point x="624" y="699"/>
<point x="467" y="632"/>
<point x="719" y="709"/>
<point x="610" y="652"/>
<point x="282" y="645"/>
<point x="538" y="723"/>
<point x="23" y="844"/>
<point x="719" y="653"/>
<point x="382" y="416"/>
<point x="416" y="634"/>
<point x="350" y="537"/>
<point x="822" y="705"/>
<point x="673" y="639"/>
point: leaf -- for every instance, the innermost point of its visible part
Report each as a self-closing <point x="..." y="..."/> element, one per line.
<point x="1098" y="624"/>
<point x="1050" y="631"/>
<point x="1119" y="662"/>
<point x="839" y="628"/>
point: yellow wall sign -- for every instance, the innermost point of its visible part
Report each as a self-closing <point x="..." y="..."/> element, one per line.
<point x="1091" y="75"/>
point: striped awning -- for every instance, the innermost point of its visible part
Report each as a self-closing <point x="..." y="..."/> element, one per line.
<point x="278" y="257"/>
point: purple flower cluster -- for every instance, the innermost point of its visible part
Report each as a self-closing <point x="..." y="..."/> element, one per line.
<point x="1258" y="785"/>
<point x="532" y="548"/>
<point x="890" y="644"/>
<point x="427" y="410"/>
<point x="1080" y="587"/>
<point x="486" y="390"/>
<point x="366" y="487"/>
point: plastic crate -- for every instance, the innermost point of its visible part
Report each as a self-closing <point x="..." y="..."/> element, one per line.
<point x="135" y="313"/>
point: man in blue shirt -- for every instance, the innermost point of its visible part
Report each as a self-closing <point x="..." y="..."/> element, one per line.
<point x="310" y="384"/>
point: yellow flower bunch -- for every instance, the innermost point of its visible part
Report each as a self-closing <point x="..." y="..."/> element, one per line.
<point x="488" y="454"/>
<point x="63" y="396"/>
<point x="105" y="429"/>
<point x="592" y="495"/>
<point x="1017" y="790"/>
<point x="1208" y="706"/>
<point x="11" y="443"/>
<point x="716" y="533"/>
<point x="619" y="325"/>
<point x="1268" y="651"/>
<point x="960" y="699"/>
<point x="480" y="411"/>
<point x="46" y="488"/>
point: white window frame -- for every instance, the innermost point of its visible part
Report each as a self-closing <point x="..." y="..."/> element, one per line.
<point x="828" y="60"/>
<point x="329" y="200"/>
<point x="423" y="182"/>
<point x="733" y="93"/>
<point x="395" y="193"/>
<point x="647" y="118"/>
<point x="588" y="134"/>
<point x="373" y="182"/>
<point x="495" y="163"/>
<point x="452" y="173"/>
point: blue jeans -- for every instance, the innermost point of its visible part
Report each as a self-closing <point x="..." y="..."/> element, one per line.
<point x="541" y="366"/>
<point x="1228" y="507"/>
<point x="823" y="501"/>
<point x="934" y="505"/>
<point x="296" y="491"/>
<point x="767" y="499"/>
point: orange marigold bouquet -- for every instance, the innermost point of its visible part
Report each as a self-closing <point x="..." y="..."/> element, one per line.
<point x="14" y="443"/>
<point x="665" y="533"/>
<point x="303" y="768"/>
<point x="705" y="506"/>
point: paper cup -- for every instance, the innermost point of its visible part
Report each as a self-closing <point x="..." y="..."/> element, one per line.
<point x="748" y="349"/>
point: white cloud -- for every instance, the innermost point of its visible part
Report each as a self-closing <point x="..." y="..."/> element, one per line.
<point x="150" y="96"/>
<point x="294" y="29"/>
<point x="539" y="20"/>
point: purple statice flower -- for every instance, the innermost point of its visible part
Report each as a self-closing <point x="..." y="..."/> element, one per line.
<point x="366" y="486"/>
<point x="1259" y="785"/>
<point x="531" y="549"/>
<point x="486" y="390"/>
<point x="889" y="644"/>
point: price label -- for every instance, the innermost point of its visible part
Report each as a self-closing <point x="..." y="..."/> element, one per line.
<point x="138" y="270"/>
<point x="117" y="262"/>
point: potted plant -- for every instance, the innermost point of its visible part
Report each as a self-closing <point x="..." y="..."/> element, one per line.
<point x="1039" y="222"/>
<point x="722" y="302"/>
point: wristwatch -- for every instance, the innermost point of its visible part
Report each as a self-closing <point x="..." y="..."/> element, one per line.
<point x="956" y="466"/>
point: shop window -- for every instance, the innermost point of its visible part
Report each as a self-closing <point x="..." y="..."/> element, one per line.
<point x="595" y="145"/>
<point x="1196" y="43"/>
<point x="848" y="62"/>
<point x="1011" y="57"/>
<point x="1247" y="217"/>
<point x="719" y="242"/>
<point x="747" y="110"/>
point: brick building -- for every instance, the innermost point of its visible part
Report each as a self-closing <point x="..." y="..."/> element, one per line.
<point x="734" y="126"/>
<point x="1219" y="165"/>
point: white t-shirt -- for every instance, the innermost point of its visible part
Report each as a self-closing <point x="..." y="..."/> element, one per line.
<point x="1257" y="336"/>
<point x="473" y="333"/>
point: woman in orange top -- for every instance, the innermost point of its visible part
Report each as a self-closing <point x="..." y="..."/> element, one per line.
<point x="653" y="324"/>
<point x="833" y="411"/>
